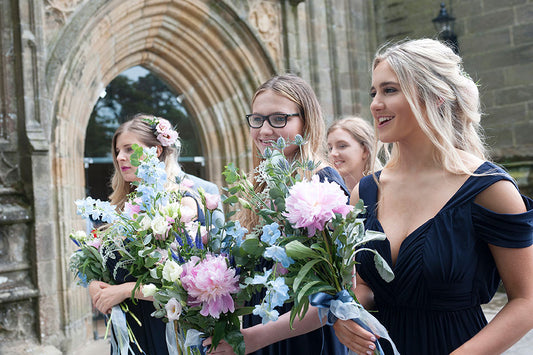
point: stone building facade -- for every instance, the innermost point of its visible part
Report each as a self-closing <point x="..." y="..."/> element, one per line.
<point x="58" y="55"/>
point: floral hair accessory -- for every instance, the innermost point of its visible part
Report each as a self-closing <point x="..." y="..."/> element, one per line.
<point x="163" y="131"/>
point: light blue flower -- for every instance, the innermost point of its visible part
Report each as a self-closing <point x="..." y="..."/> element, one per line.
<point x="279" y="255"/>
<point x="237" y="232"/>
<point x="260" y="279"/>
<point x="271" y="233"/>
<point x="107" y="211"/>
<point x="266" y="313"/>
<point x="85" y="207"/>
<point x="278" y="292"/>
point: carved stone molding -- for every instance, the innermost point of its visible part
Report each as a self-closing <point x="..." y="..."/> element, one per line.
<point x="6" y="169"/>
<point x="265" y="17"/>
<point x="60" y="10"/>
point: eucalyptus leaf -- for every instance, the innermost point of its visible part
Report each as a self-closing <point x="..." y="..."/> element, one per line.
<point x="297" y="250"/>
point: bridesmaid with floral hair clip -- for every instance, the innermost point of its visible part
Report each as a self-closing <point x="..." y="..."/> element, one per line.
<point x="146" y="131"/>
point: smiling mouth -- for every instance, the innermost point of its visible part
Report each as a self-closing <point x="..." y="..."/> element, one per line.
<point x="384" y="119"/>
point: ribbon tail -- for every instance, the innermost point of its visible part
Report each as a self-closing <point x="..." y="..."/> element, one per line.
<point x="120" y="342"/>
<point x="170" y="336"/>
<point x="369" y="322"/>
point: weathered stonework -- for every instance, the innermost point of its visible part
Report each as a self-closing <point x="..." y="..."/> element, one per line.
<point x="56" y="56"/>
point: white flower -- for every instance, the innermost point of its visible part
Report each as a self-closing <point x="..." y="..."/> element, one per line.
<point x="172" y="271"/>
<point x="145" y="223"/>
<point x="171" y="210"/>
<point x="173" y="308"/>
<point x="159" y="225"/>
<point x="79" y="235"/>
<point x="149" y="290"/>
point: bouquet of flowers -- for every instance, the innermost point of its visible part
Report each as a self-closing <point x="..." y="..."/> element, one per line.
<point x="184" y="265"/>
<point x="310" y="235"/>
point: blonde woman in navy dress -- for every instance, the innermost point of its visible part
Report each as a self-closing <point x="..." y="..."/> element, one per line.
<point x="455" y="223"/>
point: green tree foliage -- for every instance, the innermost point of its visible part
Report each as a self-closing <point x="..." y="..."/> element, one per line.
<point x="126" y="97"/>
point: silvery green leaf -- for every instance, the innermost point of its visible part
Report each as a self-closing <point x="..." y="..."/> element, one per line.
<point x="371" y="235"/>
<point x="383" y="268"/>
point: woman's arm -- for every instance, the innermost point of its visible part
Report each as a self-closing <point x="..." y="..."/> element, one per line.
<point x="515" y="267"/>
<point x="260" y="335"/>
<point x="105" y="296"/>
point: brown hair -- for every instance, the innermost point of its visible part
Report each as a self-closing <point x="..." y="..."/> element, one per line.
<point x="145" y="133"/>
<point x="302" y="94"/>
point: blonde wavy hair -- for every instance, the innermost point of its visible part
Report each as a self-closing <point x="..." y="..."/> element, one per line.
<point x="302" y="94"/>
<point x="144" y="132"/>
<point x="363" y="132"/>
<point x="443" y="98"/>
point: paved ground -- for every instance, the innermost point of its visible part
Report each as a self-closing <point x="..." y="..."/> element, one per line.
<point x="523" y="347"/>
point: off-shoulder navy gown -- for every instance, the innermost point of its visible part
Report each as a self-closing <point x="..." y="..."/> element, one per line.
<point x="444" y="270"/>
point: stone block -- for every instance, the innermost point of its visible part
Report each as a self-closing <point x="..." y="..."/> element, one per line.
<point x="523" y="34"/>
<point x="506" y="115"/>
<point x="514" y="95"/>
<point x="523" y="134"/>
<point x="496" y="5"/>
<point x="518" y="75"/>
<point x="487" y="41"/>
<point x="500" y="58"/>
<point x="524" y="13"/>
<point x="490" y="21"/>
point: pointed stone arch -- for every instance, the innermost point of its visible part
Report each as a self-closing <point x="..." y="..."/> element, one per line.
<point x="203" y="49"/>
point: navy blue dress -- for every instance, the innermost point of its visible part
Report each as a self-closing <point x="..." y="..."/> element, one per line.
<point x="322" y="341"/>
<point x="444" y="270"/>
<point x="151" y="334"/>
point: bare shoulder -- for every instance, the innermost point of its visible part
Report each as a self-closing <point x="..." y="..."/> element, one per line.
<point x="354" y="196"/>
<point x="502" y="197"/>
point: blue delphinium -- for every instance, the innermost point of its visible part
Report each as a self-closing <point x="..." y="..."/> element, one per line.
<point x="279" y="255"/>
<point x="271" y="233"/>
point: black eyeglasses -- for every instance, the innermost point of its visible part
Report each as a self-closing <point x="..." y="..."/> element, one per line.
<point x="276" y="120"/>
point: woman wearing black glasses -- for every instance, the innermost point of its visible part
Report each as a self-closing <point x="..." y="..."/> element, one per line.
<point x="285" y="106"/>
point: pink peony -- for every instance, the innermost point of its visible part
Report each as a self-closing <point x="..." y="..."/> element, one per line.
<point x="210" y="283"/>
<point x="311" y="204"/>
<point x="211" y="201"/>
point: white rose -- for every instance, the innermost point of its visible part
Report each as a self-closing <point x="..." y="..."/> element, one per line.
<point x="172" y="271"/>
<point x="159" y="225"/>
<point x="145" y="223"/>
<point x="149" y="290"/>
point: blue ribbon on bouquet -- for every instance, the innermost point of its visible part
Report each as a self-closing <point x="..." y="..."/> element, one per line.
<point x="342" y="306"/>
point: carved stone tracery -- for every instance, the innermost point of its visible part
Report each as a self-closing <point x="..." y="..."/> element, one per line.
<point x="265" y="17"/>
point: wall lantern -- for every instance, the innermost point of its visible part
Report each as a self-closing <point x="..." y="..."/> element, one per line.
<point x="444" y="25"/>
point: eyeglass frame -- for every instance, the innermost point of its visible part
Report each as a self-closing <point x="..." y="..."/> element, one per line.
<point x="267" y="118"/>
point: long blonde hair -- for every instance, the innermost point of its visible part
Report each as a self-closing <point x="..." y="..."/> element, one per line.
<point x="443" y="98"/>
<point x="302" y="94"/>
<point x="144" y="132"/>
